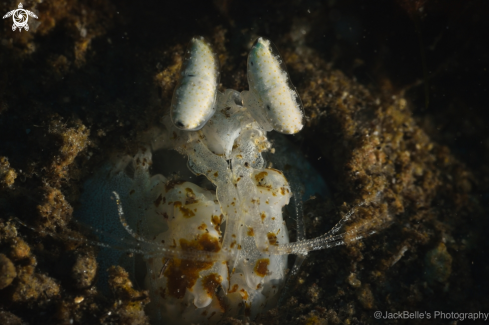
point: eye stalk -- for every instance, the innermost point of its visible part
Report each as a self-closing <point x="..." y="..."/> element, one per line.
<point x="272" y="98"/>
<point x="194" y="97"/>
<point x="270" y="84"/>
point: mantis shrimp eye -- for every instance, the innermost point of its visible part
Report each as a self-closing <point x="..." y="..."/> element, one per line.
<point x="195" y="95"/>
<point x="270" y="84"/>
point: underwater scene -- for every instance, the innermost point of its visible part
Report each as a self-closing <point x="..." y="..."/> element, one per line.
<point x="244" y="162"/>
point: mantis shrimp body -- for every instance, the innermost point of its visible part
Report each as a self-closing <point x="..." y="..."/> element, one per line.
<point x="218" y="248"/>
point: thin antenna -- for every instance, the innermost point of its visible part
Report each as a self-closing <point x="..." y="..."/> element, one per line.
<point x="344" y="219"/>
<point x="321" y="242"/>
<point x="164" y="251"/>
<point x="301" y="232"/>
<point x="294" y="272"/>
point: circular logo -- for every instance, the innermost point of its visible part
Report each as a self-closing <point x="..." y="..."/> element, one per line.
<point x="20" y="17"/>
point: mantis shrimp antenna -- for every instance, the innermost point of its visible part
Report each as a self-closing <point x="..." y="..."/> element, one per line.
<point x="155" y="249"/>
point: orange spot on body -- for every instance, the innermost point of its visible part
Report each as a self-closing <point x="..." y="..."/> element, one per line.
<point x="244" y="294"/>
<point x="183" y="274"/>
<point x="261" y="267"/>
<point x="211" y="282"/>
<point x="233" y="289"/>
<point x="272" y="239"/>
<point x="250" y="231"/>
<point x="260" y="176"/>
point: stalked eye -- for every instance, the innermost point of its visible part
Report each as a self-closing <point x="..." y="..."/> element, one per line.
<point x="194" y="97"/>
<point x="270" y="83"/>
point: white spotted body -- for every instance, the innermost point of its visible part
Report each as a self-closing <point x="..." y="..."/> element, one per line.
<point x="270" y="84"/>
<point x="195" y="95"/>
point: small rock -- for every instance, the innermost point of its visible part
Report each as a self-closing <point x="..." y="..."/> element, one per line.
<point x="7" y="174"/>
<point x="32" y="286"/>
<point x="7" y="271"/>
<point x="19" y="249"/>
<point x="438" y="264"/>
<point x="313" y="292"/>
<point x="365" y="296"/>
<point x="84" y="271"/>
<point x="7" y="318"/>
<point x="130" y="306"/>
<point x="353" y="281"/>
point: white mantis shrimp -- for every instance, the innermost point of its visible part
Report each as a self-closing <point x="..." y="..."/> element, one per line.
<point x="220" y="248"/>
